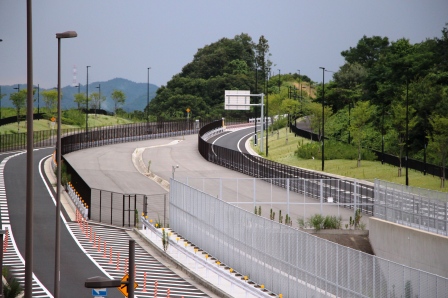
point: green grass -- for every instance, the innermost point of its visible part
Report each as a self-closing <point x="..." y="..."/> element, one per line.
<point x="43" y="124"/>
<point x="282" y="150"/>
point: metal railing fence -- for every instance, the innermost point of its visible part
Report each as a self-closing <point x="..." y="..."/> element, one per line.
<point x="101" y="136"/>
<point x="295" y="198"/>
<point x="411" y="206"/>
<point x="417" y="165"/>
<point x="125" y="209"/>
<point x="287" y="260"/>
<point x="262" y="168"/>
<point x="43" y="138"/>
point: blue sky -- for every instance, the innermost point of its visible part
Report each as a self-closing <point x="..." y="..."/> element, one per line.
<point x="124" y="38"/>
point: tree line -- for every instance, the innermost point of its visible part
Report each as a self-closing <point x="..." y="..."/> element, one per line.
<point x="387" y="94"/>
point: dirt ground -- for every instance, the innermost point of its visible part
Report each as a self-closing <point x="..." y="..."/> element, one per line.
<point x="357" y="242"/>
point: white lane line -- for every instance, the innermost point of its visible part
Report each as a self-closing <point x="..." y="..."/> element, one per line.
<point x="14" y="257"/>
<point x="66" y="224"/>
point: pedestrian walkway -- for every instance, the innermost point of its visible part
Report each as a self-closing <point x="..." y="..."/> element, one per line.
<point x="108" y="246"/>
<point x="204" y="266"/>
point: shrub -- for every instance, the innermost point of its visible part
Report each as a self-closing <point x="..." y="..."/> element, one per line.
<point x="333" y="150"/>
<point x="332" y="222"/>
<point x="316" y="221"/>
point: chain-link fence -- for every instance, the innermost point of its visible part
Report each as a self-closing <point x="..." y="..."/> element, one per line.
<point x="292" y="198"/>
<point x="412" y="206"/>
<point x="287" y="260"/>
<point x="125" y="209"/>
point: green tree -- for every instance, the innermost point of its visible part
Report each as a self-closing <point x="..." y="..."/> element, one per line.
<point x="361" y="115"/>
<point x="50" y="99"/>
<point x="439" y="141"/>
<point x="262" y="58"/>
<point x="18" y="100"/>
<point x="96" y="99"/>
<point x="118" y="98"/>
<point x="315" y="117"/>
<point x="367" y="51"/>
<point x="398" y="111"/>
<point x="80" y="100"/>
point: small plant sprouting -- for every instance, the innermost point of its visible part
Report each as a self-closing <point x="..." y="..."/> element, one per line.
<point x="165" y="240"/>
<point x="288" y="220"/>
<point x="302" y="223"/>
<point x="357" y="219"/>
<point x="280" y="217"/>
<point x="259" y="210"/>
<point x="272" y="215"/>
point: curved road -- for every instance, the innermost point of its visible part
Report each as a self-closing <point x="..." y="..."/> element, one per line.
<point x="75" y="266"/>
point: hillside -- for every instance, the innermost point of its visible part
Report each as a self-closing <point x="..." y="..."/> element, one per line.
<point x="136" y="94"/>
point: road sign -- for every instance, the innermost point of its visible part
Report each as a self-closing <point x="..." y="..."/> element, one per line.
<point x="124" y="287"/>
<point x="99" y="292"/>
<point x="188" y="110"/>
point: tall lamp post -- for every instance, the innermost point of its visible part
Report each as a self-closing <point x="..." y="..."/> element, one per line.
<point x="407" y="131"/>
<point x="38" y="100"/>
<point x="29" y="155"/>
<point x="99" y="98"/>
<point x="59" y="36"/>
<point x="1" y="96"/>
<point x="323" y="122"/>
<point x="147" y="101"/>
<point x="87" y="103"/>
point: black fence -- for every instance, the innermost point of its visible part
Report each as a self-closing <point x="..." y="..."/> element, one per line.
<point x="352" y="193"/>
<point x="384" y="157"/>
<point x="42" y="139"/>
<point x="125" y="209"/>
<point x="13" y="119"/>
<point x="98" y="208"/>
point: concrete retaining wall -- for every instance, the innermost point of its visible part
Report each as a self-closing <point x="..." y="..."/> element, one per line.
<point x="408" y="246"/>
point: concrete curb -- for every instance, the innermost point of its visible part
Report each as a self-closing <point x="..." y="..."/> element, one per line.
<point x="198" y="279"/>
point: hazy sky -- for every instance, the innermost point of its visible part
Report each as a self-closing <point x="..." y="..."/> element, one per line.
<point x="124" y="38"/>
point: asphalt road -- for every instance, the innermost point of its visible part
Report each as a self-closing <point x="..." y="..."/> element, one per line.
<point x="75" y="266"/>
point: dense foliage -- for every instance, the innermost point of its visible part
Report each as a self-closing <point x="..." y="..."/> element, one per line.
<point x="382" y="87"/>
<point x="228" y="64"/>
<point x="393" y="77"/>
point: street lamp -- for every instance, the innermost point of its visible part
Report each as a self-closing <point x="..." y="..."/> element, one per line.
<point x="87" y="103"/>
<point x="1" y="96"/>
<point x="174" y="170"/>
<point x="38" y="100"/>
<point x="99" y="98"/>
<point x="323" y="100"/>
<point x="59" y="36"/>
<point x="147" y="101"/>
<point x="407" y="131"/>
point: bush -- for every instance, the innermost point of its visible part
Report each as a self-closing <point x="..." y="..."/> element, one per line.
<point x="316" y="221"/>
<point x="333" y="150"/>
<point x="332" y="222"/>
<point x="74" y="117"/>
<point x="319" y="222"/>
<point x="279" y="123"/>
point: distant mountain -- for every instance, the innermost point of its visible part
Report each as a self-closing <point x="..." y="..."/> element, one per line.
<point x="136" y="94"/>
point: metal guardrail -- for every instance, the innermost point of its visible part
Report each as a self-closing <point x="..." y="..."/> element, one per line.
<point x="410" y="206"/>
<point x="346" y="190"/>
<point x="287" y="260"/>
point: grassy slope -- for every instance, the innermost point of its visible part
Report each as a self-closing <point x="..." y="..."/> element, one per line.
<point x="282" y="151"/>
<point x="38" y="125"/>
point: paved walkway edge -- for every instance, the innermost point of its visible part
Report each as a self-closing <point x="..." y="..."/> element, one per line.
<point x="198" y="279"/>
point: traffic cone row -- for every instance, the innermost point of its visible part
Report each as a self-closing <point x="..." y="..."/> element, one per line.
<point x="5" y="241"/>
